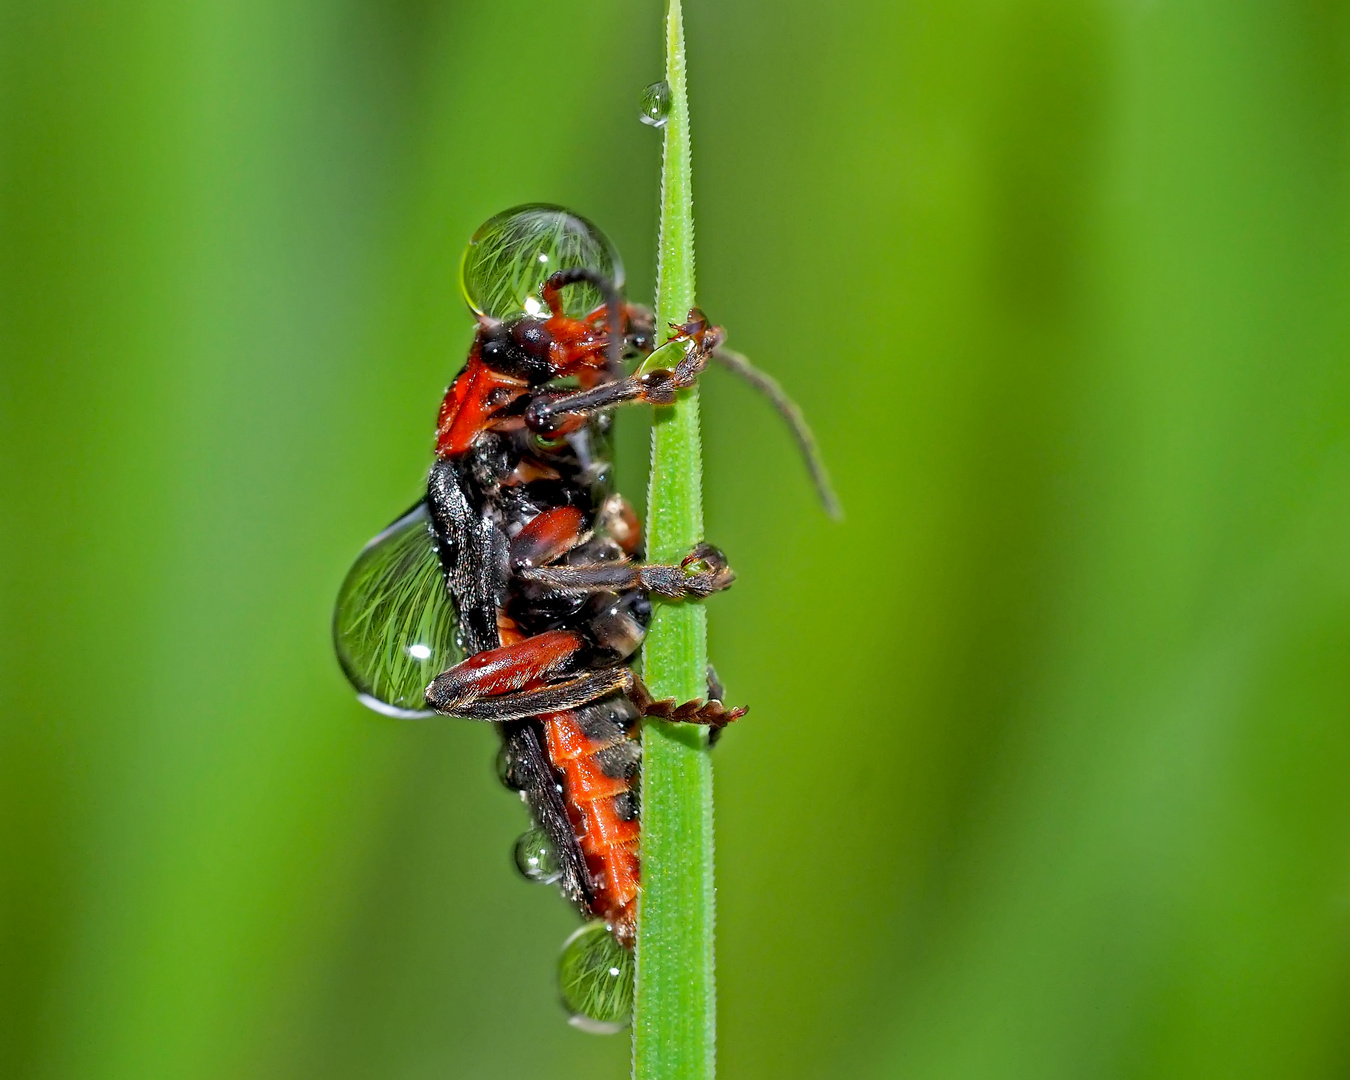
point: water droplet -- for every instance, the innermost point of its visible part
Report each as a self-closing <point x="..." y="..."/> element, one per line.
<point x="654" y="107"/>
<point x="508" y="772"/>
<point x="595" y="977"/>
<point x="513" y="254"/>
<point x="535" y="858"/>
<point x="394" y="626"/>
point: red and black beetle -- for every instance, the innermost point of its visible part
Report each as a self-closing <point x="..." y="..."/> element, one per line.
<point x="517" y="584"/>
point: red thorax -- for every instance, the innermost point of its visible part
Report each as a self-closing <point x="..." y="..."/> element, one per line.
<point x="477" y="398"/>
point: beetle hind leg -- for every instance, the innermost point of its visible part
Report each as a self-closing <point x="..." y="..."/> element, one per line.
<point x="533" y="677"/>
<point x="547" y="673"/>
<point x="716" y="692"/>
<point x="712" y="714"/>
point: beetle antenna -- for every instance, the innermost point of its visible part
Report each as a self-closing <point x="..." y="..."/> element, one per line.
<point x="801" y="431"/>
<point x="613" y="308"/>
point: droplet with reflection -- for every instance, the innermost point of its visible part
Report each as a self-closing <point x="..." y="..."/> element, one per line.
<point x="508" y="768"/>
<point x="535" y="857"/>
<point x="654" y="105"/>
<point x="514" y="253"/>
<point x="595" y="978"/>
<point x="394" y="625"/>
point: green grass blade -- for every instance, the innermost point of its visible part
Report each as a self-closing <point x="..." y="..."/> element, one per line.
<point x="674" y="1022"/>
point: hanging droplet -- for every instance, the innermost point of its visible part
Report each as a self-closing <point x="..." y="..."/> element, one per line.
<point x="595" y="977"/>
<point x="394" y="625"/>
<point x="508" y="770"/>
<point x="513" y="254"/>
<point x="654" y="106"/>
<point x="535" y="858"/>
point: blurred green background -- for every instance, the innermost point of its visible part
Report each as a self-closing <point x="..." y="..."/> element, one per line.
<point x="1046" y="773"/>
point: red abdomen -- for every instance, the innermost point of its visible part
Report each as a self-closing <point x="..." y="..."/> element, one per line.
<point x="598" y="761"/>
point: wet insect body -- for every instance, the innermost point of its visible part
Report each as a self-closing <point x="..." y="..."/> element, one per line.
<point x="539" y="557"/>
<point x="518" y="583"/>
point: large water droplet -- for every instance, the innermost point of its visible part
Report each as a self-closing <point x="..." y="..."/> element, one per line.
<point x="513" y="254"/>
<point x="595" y="977"/>
<point x="394" y="626"/>
<point x="654" y="106"/>
<point x="535" y="857"/>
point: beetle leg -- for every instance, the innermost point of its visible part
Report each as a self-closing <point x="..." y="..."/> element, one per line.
<point x="495" y="673"/>
<point x="660" y="386"/>
<point x="582" y="690"/>
<point x="618" y="316"/>
<point x="550" y="697"/>
<point x="701" y="573"/>
<point x="711" y="714"/>
<point x="716" y="692"/>
<point x="536" y="676"/>
<point x="548" y="536"/>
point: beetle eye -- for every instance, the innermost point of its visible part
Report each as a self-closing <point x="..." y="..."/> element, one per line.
<point x="532" y="338"/>
<point x="513" y="254"/>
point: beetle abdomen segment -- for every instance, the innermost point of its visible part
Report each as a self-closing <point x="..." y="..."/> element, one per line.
<point x="600" y="763"/>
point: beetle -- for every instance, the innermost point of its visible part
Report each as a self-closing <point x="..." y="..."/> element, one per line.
<point x="517" y="582"/>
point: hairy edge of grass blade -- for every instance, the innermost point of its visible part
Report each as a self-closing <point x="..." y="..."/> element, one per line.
<point x="674" y="1020"/>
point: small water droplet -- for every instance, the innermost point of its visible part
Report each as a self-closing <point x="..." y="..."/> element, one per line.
<point x="654" y="106"/>
<point x="595" y="978"/>
<point x="394" y="625"/>
<point x="512" y="255"/>
<point x="508" y="772"/>
<point x="535" y="858"/>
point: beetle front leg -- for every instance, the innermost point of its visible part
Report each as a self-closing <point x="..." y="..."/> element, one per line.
<point x="661" y="386"/>
<point x="701" y="573"/>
